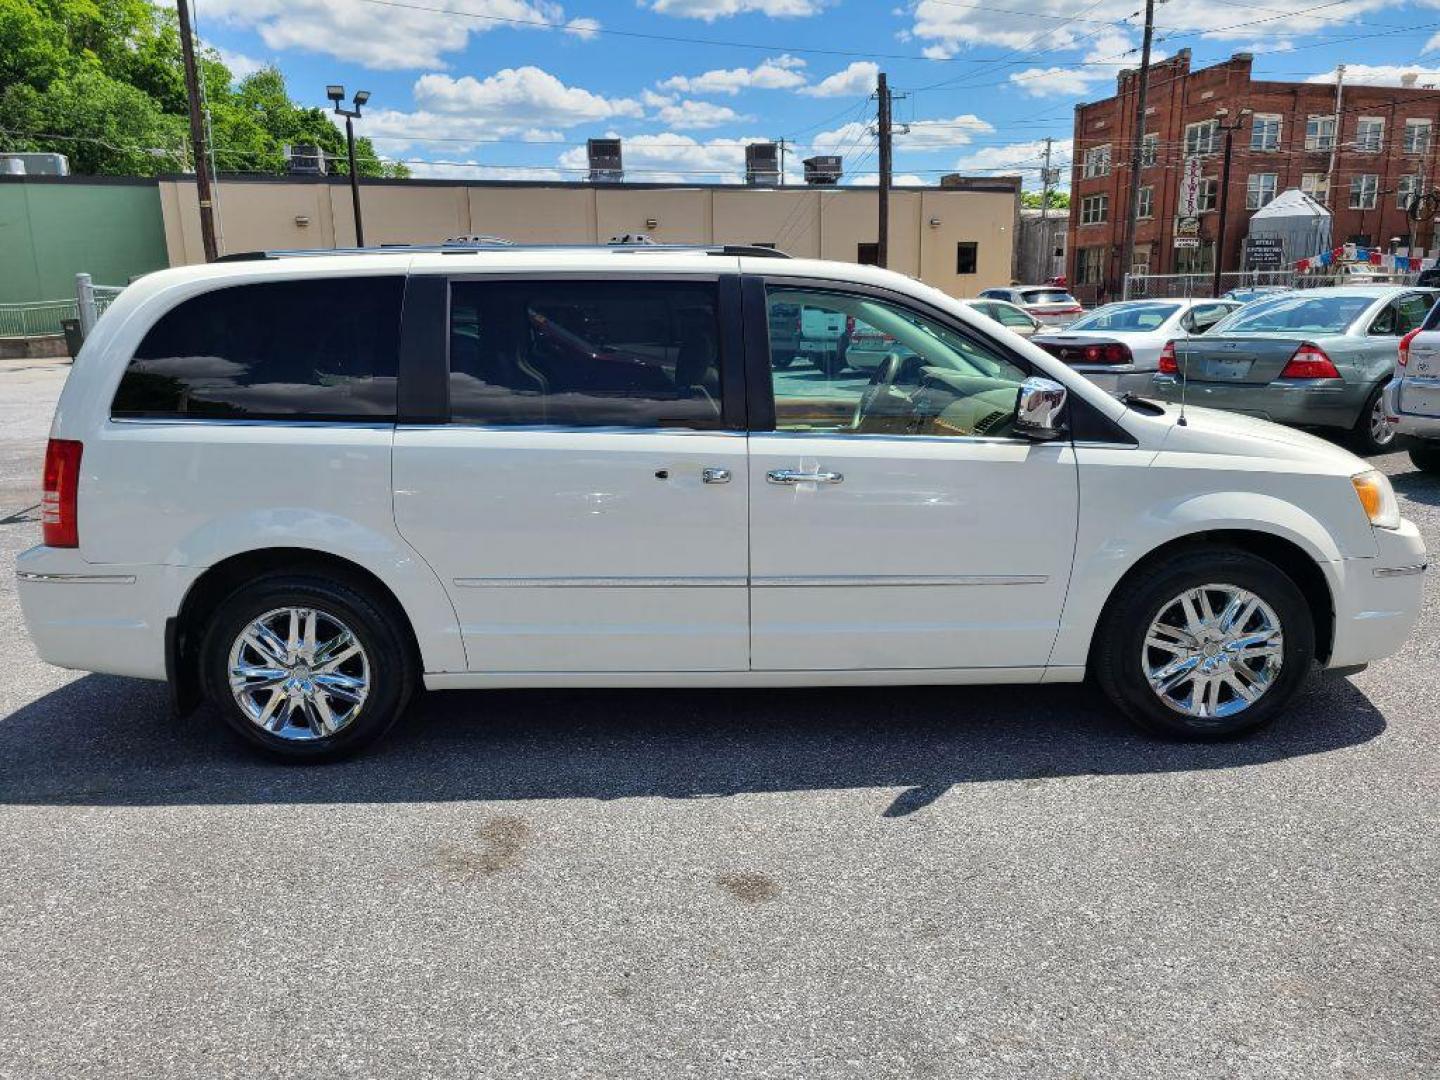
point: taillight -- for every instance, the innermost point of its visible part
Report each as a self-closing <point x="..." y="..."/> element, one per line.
<point x="1168" y="363"/>
<point x="58" y="524"/>
<point x="1405" y="346"/>
<point x="1310" y="362"/>
<point x="1109" y="353"/>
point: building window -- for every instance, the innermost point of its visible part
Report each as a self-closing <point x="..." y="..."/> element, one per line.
<point x="1090" y="265"/>
<point x="1319" y="133"/>
<point x="1364" y="190"/>
<point x="1145" y="204"/>
<point x="1149" y="147"/>
<point x="1094" y="209"/>
<point x="1265" y="132"/>
<point x="1209" y="191"/>
<point x="1407" y="186"/>
<point x="1202" y="138"/>
<point x="867" y="254"/>
<point x="1316" y="185"/>
<point x="1417" y="137"/>
<point x="1369" y="134"/>
<point x="1197" y="260"/>
<point x="1260" y="189"/>
<point x="1097" y="161"/>
<point x="967" y="256"/>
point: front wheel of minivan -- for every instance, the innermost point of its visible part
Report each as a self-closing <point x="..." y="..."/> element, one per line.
<point x="306" y="668"/>
<point x="1205" y="644"/>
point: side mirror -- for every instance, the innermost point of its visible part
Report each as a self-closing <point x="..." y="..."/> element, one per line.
<point x="1039" y="410"/>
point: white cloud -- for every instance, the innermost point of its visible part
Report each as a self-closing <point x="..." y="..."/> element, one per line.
<point x="710" y="10"/>
<point x="857" y="136"/>
<point x="1381" y="74"/>
<point x="584" y="28"/>
<point x="871" y="178"/>
<point x="689" y="115"/>
<point x="1022" y="158"/>
<point x="1111" y="52"/>
<point x="527" y="103"/>
<point x="239" y="64"/>
<point x="1432" y="45"/>
<point x="777" y="73"/>
<point x="516" y="97"/>
<point x="859" y="78"/>
<point x="373" y="35"/>
<point x="473" y="170"/>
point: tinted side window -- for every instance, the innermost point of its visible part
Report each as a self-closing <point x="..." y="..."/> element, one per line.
<point x="321" y="349"/>
<point x="639" y="354"/>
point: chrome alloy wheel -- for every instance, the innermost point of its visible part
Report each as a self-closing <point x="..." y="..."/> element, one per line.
<point x="1213" y="651"/>
<point x="1382" y="431"/>
<point x="299" y="673"/>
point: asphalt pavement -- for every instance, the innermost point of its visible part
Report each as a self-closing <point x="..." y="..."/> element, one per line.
<point x="935" y="882"/>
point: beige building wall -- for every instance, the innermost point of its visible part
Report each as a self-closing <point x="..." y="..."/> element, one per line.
<point x="926" y="225"/>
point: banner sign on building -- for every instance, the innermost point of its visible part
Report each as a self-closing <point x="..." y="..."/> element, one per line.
<point x="1192" y="180"/>
<point x="1264" y="251"/>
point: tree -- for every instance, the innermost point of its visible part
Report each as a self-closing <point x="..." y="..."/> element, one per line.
<point x="1059" y="200"/>
<point x="102" y="82"/>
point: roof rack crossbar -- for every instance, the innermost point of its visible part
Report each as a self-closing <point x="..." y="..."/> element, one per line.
<point x="752" y="250"/>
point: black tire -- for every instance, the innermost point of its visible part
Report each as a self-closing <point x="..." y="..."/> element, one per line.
<point x="392" y="665"/>
<point x="781" y="361"/>
<point x="1117" y="657"/>
<point x="1363" y="438"/>
<point x="1425" y="456"/>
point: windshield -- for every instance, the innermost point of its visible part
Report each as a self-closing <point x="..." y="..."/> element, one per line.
<point x="1119" y="318"/>
<point x="1047" y="296"/>
<point x="1297" y="313"/>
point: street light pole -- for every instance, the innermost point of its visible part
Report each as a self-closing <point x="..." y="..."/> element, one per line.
<point x="1229" y="130"/>
<point x="337" y="95"/>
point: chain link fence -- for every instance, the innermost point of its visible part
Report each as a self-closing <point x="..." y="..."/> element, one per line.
<point x="1181" y="286"/>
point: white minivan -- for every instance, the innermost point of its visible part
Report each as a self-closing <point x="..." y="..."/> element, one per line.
<point x="304" y="485"/>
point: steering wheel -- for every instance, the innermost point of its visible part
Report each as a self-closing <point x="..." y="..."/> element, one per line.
<point x="882" y="384"/>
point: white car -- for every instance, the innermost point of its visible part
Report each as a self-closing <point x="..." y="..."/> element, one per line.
<point x="1118" y="346"/>
<point x="305" y="486"/>
<point x="1051" y="304"/>
<point x="1011" y="316"/>
<point x="1412" y="397"/>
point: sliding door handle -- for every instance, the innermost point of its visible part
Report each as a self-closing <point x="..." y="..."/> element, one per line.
<point x="790" y="476"/>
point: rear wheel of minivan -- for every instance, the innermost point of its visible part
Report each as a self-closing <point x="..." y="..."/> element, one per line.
<point x="1204" y="644"/>
<point x="1426" y="456"/>
<point x="307" y="668"/>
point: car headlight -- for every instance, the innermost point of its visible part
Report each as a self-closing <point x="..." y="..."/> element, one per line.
<point x="1378" y="498"/>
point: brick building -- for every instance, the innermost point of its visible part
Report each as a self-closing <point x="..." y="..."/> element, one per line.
<point x="1387" y="138"/>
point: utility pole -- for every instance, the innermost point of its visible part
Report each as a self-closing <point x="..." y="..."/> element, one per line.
<point x="197" y="134"/>
<point x="1137" y="137"/>
<point x="1229" y="130"/>
<point x="1334" y="136"/>
<point x="1045" y="190"/>
<point x="882" y="247"/>
<point x="780" y="144"/>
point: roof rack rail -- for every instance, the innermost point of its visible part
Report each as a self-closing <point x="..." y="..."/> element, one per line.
<point x="474" y="245"/>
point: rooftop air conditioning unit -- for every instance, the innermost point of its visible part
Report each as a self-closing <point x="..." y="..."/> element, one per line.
<point x="606" y="166"/>
<point x="304" y="159"/>
<point x="824" y="169"/>
<point x="762" y="164"/>
<point x="35" y="164"/>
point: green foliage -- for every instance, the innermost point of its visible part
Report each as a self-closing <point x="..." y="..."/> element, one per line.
<point x="102" y="81"/>
<point x="1059" y="200"/>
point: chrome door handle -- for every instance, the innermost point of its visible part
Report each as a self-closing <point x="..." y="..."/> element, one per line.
<point x="715" y="476"/>
<point x="790" y="476"/>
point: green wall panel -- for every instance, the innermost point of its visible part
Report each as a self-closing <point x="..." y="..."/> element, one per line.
<point x="50" y="232"/>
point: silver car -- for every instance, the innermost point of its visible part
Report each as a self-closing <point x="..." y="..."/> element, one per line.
<point x="1412" y="400"/>
<point x="1314" y="358"/>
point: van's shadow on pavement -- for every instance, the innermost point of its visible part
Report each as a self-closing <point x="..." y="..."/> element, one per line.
<point x="102" y="740"/>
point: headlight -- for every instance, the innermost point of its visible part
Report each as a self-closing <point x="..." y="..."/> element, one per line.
<point x="1378" y="498"/>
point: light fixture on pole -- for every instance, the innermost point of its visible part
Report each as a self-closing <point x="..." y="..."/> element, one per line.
<point x="336" y="94"/>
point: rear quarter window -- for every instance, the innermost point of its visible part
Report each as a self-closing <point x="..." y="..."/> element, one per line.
<point x="315" y="349"/>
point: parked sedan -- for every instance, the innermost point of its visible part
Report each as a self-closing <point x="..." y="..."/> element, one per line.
<point x="1412" y="400"/>
<point x="1315" y="358"/>
<point x="1118" y="346"/>
<point x="1011" y="316"/>
<point x="1052" y="306"/>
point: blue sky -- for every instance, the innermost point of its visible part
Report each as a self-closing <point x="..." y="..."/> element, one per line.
<point x="489" y="89"/>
